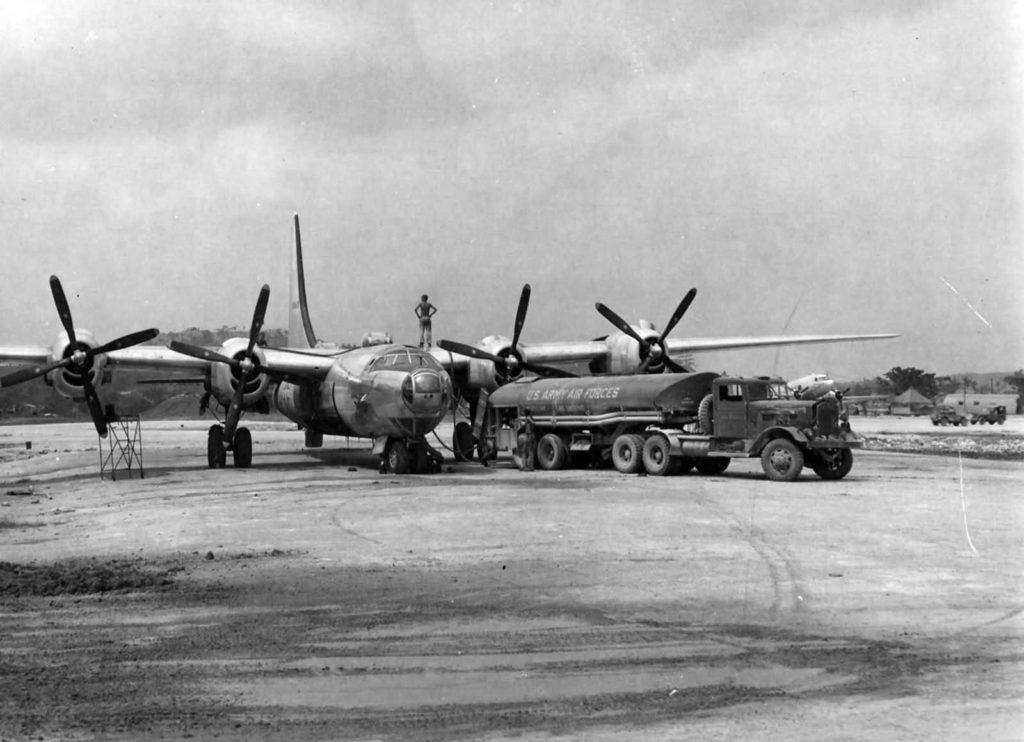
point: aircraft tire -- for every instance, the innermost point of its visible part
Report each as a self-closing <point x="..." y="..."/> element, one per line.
<point x="782" y="460"/>
<point x="398" y="458"/>
<point x="705" y="415"/>
<point x="463" y="441"/>
<point x="711" y="464"/>
<point x="628" y="452"/>
<point x="838" y="468"/>
<point x="242" y="450"/>
<point x="657" y="456"/>
<point x="216" y="456"/>
<point x="552" y="452"/>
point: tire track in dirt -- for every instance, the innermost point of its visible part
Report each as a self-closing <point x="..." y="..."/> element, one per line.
<point x="787" y="591"/>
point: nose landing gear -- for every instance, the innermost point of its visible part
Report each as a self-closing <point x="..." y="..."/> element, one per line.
<point x="410" y="456"/>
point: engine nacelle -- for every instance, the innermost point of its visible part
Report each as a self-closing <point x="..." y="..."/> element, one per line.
<point x="484" y="374"/>
<point x="295" y="402"/>
<point x="624" y="356"/>
<point x="224" y="379"/>
<point x="68" y="381"/>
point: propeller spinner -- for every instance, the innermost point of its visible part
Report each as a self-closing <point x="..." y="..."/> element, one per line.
<point x="652" y="352"/>
<point x="509" y="362"/>
<point x="78" y="358"/>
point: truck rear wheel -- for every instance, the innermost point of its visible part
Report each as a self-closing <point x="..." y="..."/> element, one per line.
<point x="833" y="463"/>
<point x="782" y="460"/>
<point x="552" y="452"/>
<point x="657" y="457"/>
<point x="627" y="453"/>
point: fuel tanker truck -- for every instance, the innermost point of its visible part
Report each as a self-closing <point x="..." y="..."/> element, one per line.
<point x="671" y="424"/>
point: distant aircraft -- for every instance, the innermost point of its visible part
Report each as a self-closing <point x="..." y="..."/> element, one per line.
<point x="393" y="394"/>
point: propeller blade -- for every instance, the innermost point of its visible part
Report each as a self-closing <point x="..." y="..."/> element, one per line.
<point x="620" y="323"/>
<point x="202" y="353"/>
<point x="30" y="372"/>
<point x="257" y="318"/>
<point x="63" y="308"/>
<point x="95" y="408"/>
<point x="524" y="304"/>
<point x="469" y="350"/>
<point x="234" y="413"/>
<point x="678" y="314"/>
<point x="549" y="371"/>
<point x="674" y="366"/>
<point x="126" y="341"/>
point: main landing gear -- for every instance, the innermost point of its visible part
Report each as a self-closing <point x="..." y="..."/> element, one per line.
<point x="217" y="451"/>
<point x="410" y="456"/>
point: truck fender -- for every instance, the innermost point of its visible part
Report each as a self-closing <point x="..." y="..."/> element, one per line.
<point x="672" y="434"/>
<point x="778" y="431"/>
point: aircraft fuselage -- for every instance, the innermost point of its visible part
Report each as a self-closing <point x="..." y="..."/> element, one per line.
<point x="395" y="391"/>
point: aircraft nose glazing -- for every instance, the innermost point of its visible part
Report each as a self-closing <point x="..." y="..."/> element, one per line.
<point x="424" y="392"/>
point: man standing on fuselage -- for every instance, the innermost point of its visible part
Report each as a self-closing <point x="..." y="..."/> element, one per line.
<point x="425" y="310"/>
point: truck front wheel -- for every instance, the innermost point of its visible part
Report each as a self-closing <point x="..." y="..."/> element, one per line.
<point x="833" y="463"/>
<point x="782" y="460"/>
<point x="627" y="453"/>
<point x="552" y="453"/>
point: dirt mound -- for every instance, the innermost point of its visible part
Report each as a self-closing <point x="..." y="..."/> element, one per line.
<point x="79" y="577"/>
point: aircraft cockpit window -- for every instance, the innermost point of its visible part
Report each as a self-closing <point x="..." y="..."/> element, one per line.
<point x="404" y="360"/>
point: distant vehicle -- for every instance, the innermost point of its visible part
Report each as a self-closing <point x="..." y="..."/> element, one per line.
<point x="946" y="415"/>
<point x="991" y="416"/>
<point x="672" y="423"/>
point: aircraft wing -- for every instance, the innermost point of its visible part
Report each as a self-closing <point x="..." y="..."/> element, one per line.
<point x="590" y="349"/>
<point x="307" y="365"/>
<point x="11" y="354"/>
<point x="689" y="345"/>
<point x="534" y="352"/>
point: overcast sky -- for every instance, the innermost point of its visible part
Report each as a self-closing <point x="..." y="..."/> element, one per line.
<point x="809" y="166"/>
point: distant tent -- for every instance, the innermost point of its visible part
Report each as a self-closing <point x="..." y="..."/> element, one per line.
<point x="911" y="402"/>
<point x="912" y="398"/>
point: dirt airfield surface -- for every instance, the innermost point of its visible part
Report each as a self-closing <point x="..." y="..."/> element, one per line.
<point x="312" y="598"/>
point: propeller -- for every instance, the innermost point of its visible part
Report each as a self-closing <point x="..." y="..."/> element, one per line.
<point x="652" y="352"/>
<point x="79" y="357"/>
<point x="247" y="365"/>
<point x="509" y="362"/>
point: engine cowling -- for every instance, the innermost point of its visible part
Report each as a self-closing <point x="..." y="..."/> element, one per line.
<point x="624" y="354"/>
<point x="224" y="379"/>
<point x="69" y="381"/>
<point x="484" y="374"/>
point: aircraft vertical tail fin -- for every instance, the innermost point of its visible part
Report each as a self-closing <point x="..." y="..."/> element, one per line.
<point x="300" y="329"/>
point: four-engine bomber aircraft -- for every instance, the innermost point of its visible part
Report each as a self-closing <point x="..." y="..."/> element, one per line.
<point x="393" y="394"/>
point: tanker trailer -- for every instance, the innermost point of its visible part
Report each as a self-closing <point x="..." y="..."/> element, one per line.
<point x="591" y="418"/>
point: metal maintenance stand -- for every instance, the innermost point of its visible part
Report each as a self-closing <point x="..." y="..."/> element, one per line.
<point x="124" y="447"/>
